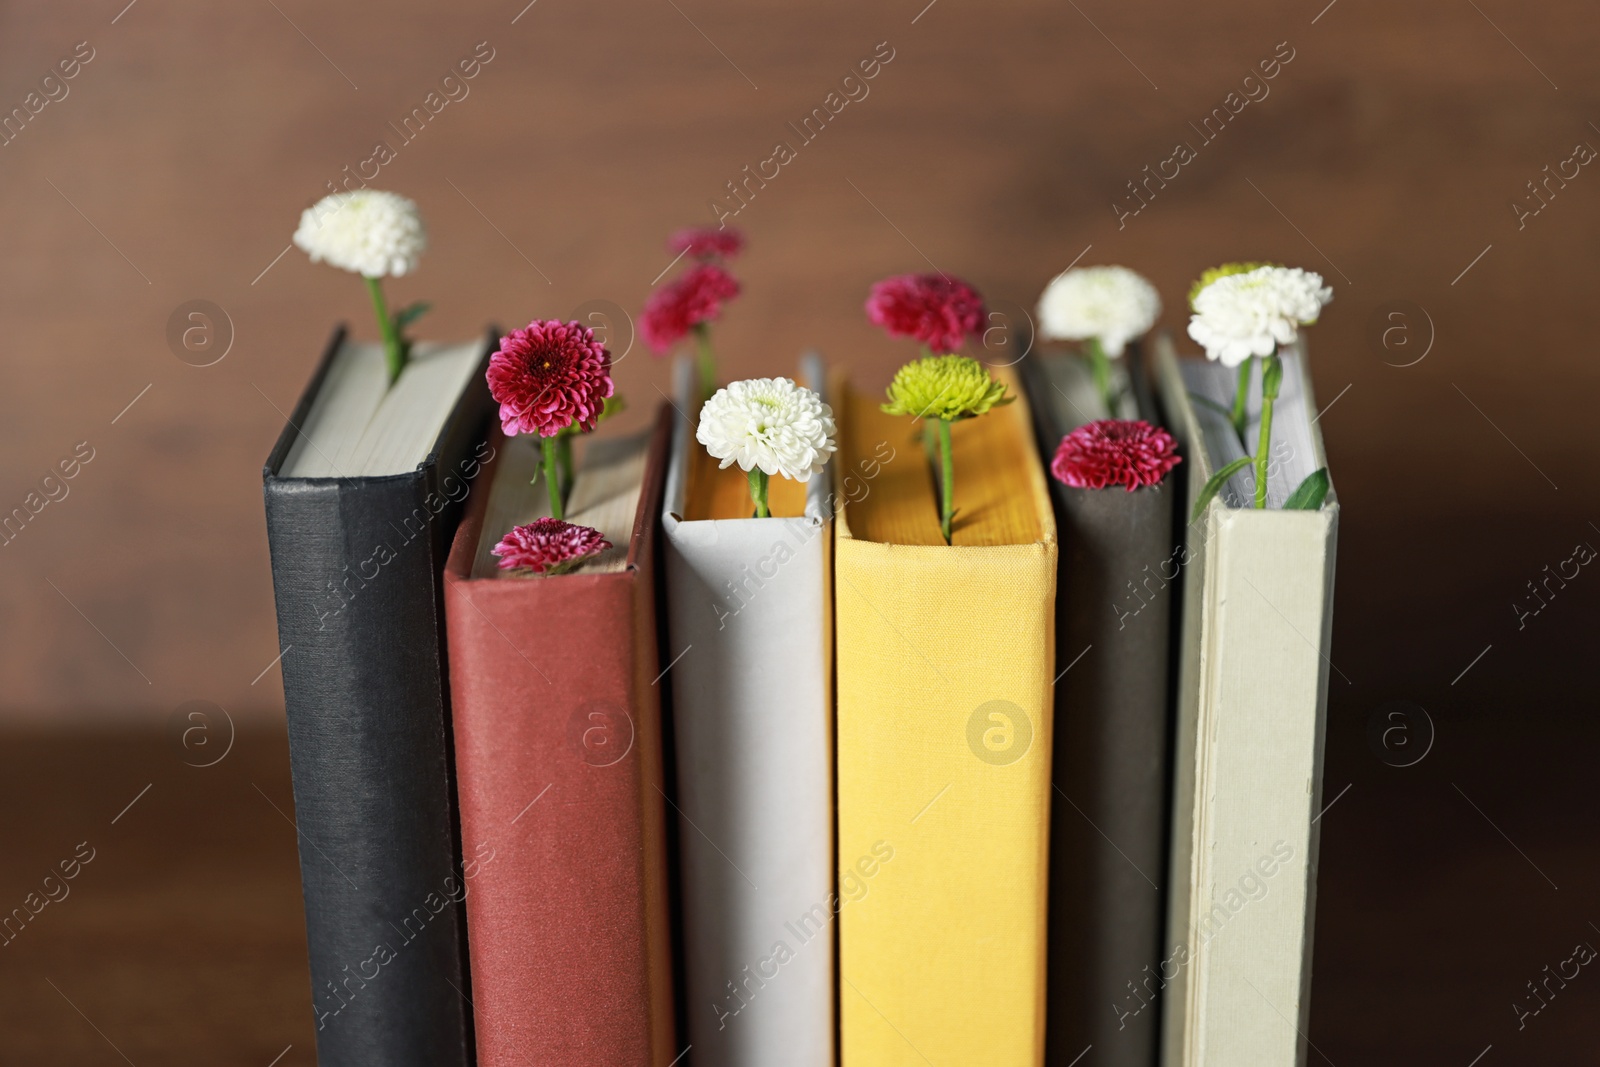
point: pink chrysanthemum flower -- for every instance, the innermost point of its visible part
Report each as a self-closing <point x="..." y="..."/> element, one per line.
<point x="703" y="242"/>
<point x="936" y="309"/>
<point x="1127" y="452"/>
<point x="695" y="298"/>
<point x="548" y="546"/>
<point x="548" y="376"/>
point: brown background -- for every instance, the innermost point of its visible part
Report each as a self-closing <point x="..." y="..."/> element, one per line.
<point x="993" y="146"/>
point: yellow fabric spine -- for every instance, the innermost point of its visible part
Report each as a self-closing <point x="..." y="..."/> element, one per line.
<point x="944" y="735"/>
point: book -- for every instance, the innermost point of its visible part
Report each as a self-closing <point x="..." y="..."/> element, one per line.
<point x="363" y="491"/>
<point x="945" y="663"/>
<point x="1108" y="823"/>
<point x="559" y="763"/>
<point x="750" y="665"/>
<point x="1252" y="695"/>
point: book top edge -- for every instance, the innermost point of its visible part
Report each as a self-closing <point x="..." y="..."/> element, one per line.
<point x="818" y="490"/>
<point x="1185" y="419"/>
<point x="284" y="447"/>
<point x="465" y="559"/>
<point x="895" y="500"/>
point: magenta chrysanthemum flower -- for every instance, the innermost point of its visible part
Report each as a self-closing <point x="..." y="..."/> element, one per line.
<point x="673" y="310"/>
<point x="1126" y="452"/>
<point x="936" y="309"/>
<point x="548" y="546"/>
<point x="548" y="376"/>
<point x="703" y="242"/>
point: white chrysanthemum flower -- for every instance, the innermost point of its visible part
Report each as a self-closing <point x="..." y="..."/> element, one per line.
<point x="770" y="423"/>
<point x="371" y="233"/>
<point x="1251" y="314"/>
<point x="1113" y="304"/>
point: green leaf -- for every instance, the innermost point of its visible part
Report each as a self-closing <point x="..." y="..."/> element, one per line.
<point x="410" y="313"/>
<point x="1218" y="480"/>
<point x="1225" y="411"/>
<point x="1310" y="493"/>
<point x="614" y="405"/>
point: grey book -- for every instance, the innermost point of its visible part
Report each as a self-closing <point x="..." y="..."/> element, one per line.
<point x="1108" y="823"/>
<point x="1252" y="699"/>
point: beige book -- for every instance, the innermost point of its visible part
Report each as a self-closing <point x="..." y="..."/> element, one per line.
<point x="1252" y="700"/>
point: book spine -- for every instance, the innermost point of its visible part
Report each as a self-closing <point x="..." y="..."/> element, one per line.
<point x="945" y="734"/>
<point x="751" y="686"/>
<point x="1112" y="743"/>
<point x="558" y="752"/>
<point x="355" y="576"/>
<point x="1262" y="707"/>
<point x="1111" y="773"/>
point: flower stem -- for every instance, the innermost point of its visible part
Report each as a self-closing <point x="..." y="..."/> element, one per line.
<point x="1241" y="397"/>
<point x="1271" y="376"/>
<point x="947" y="477"/>
<point x="393" y="349"/>
<point x="548" y="447"/>
<point x="1101" y="366"/>
<point x="564" y="459"/>
<point x="708" y="360"/>
<point x="758" y="491"/>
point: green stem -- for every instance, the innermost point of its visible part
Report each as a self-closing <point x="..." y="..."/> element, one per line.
<point x="708" y="360"/>
<point x="1100" y="364"/>
<point x="564" y="459"/>
<point x="947" y="477"/>
<point x="548" y="448"/>
<point x="1271" y="376"/>
<point x="393" y="349"/>
<point x="758" y="491"/>
<point x="1241" y="398"/>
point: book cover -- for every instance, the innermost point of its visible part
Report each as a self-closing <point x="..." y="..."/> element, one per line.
<point x="1108" y="824"/>
<point x="750" y="665"/>
<point x="559" y="759"/>
<point x="945" y="664"/>
<point x="356" y="576"/>
<point x="1253" y="677"/>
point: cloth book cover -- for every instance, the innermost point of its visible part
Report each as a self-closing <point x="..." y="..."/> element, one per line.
<point x="1253" y="681"/>
<point x="1108" y="823"/>
<point x="945" y="663"/>
<point x="356" y="562"/>
<point x="559" y="762"/>
<point x="750" y="646"/>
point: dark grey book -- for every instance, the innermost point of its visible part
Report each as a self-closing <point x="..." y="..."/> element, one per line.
<point x="363" y="493"/>
<point x="1108" y="822"/>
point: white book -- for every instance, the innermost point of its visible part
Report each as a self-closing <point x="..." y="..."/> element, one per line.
<point x="750" y="646"/>
<point x="1252" y="701"/>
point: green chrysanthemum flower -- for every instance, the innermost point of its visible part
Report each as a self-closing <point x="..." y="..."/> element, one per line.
<point x="944" y="387"/>
<point x="1213" y="273"/>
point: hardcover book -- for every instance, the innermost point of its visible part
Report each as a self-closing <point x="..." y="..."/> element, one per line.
<point x="945" y="662"/>
<point x="750" y="664"/>
<point x="363" y="491"/>
<point x="559" y="759"/>
<point x="1108" y="823"/>
<point x="1252" y="696"/>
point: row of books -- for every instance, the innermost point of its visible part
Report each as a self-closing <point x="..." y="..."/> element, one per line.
<point x="810" y="788"/>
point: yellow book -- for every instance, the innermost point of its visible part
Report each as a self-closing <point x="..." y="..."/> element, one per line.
<point x="945" y="663"/>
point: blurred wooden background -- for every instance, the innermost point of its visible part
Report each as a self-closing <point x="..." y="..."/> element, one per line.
<point x="1387" y="155"/>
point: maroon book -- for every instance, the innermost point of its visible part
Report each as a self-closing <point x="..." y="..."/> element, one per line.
<point x="557" y="724"/>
